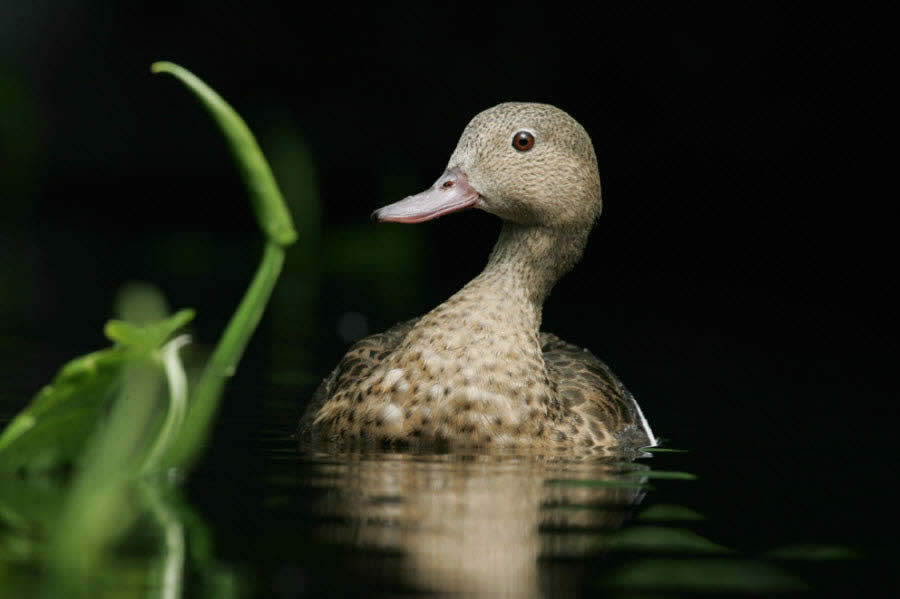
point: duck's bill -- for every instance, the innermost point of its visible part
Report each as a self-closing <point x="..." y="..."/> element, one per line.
<point x="450" y="193"/>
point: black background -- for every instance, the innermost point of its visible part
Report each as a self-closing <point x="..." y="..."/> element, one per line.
<point x="738" y="280"/>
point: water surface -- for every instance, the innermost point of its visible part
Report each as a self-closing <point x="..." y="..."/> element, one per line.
<point x="473" y="524"/>
<point x="388" y="523"/>
<point x="264" y="517"/>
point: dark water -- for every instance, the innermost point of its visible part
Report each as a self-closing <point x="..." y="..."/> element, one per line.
<point x="262" y="517"/>
<point x="473" y="524"/>
<point x="662" y="523"/>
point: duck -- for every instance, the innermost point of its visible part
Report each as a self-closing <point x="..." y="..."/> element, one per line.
<point x="477" y="371"/>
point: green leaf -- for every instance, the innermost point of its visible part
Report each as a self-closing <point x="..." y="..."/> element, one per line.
<point x="702" y="575"/>
<point x="660" y="539"/>
<point x="663" y="512"/>
<point x="53" y="428"/>
<point x="104" y="484"/>
<point x="147" y="337"/>
<point x="55" y="425"/>
<point x="29" y="506"/>
<point x="813" y="552"/>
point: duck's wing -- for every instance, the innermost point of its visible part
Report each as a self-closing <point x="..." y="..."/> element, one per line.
<point x="600" y="404"/>
<point x="357" y="363"/>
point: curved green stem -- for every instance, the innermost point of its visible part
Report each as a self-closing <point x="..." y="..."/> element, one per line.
<point x="208" y="393"/>
<point x="275" y="222"/>
<point x="271" y="212"/>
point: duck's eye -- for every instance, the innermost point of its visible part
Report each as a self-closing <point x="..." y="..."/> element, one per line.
<point x="523" y="141"/>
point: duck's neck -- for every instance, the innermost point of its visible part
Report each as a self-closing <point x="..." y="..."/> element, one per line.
<point x="533" y="258"/>
<point x="523" y="267"/>
<point x="505" y="301"/>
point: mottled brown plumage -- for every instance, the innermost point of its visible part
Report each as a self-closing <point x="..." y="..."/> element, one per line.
<point x="476" y="371"/>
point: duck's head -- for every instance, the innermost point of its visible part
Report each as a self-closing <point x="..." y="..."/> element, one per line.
<point x="530" y="164"/>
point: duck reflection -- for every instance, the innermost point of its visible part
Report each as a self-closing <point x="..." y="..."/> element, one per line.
<point x="476" y="524"/>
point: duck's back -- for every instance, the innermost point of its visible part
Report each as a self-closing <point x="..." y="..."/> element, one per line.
<point x="356" y="365"/>
<point x="602" y="412"/>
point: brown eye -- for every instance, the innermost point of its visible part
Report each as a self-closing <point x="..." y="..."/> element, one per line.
<point x="523" y="141"/>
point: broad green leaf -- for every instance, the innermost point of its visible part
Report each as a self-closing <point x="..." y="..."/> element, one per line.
<point x="53" y="428"/>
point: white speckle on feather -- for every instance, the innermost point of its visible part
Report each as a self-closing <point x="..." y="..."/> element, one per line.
<point x="494" y="404"/>
<point x="392" y="415"/>
<point x="392" y="377"/>
<point x="436" y="392"/>
<point x="503" y="440"/>
<point x="432" y="363"/>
